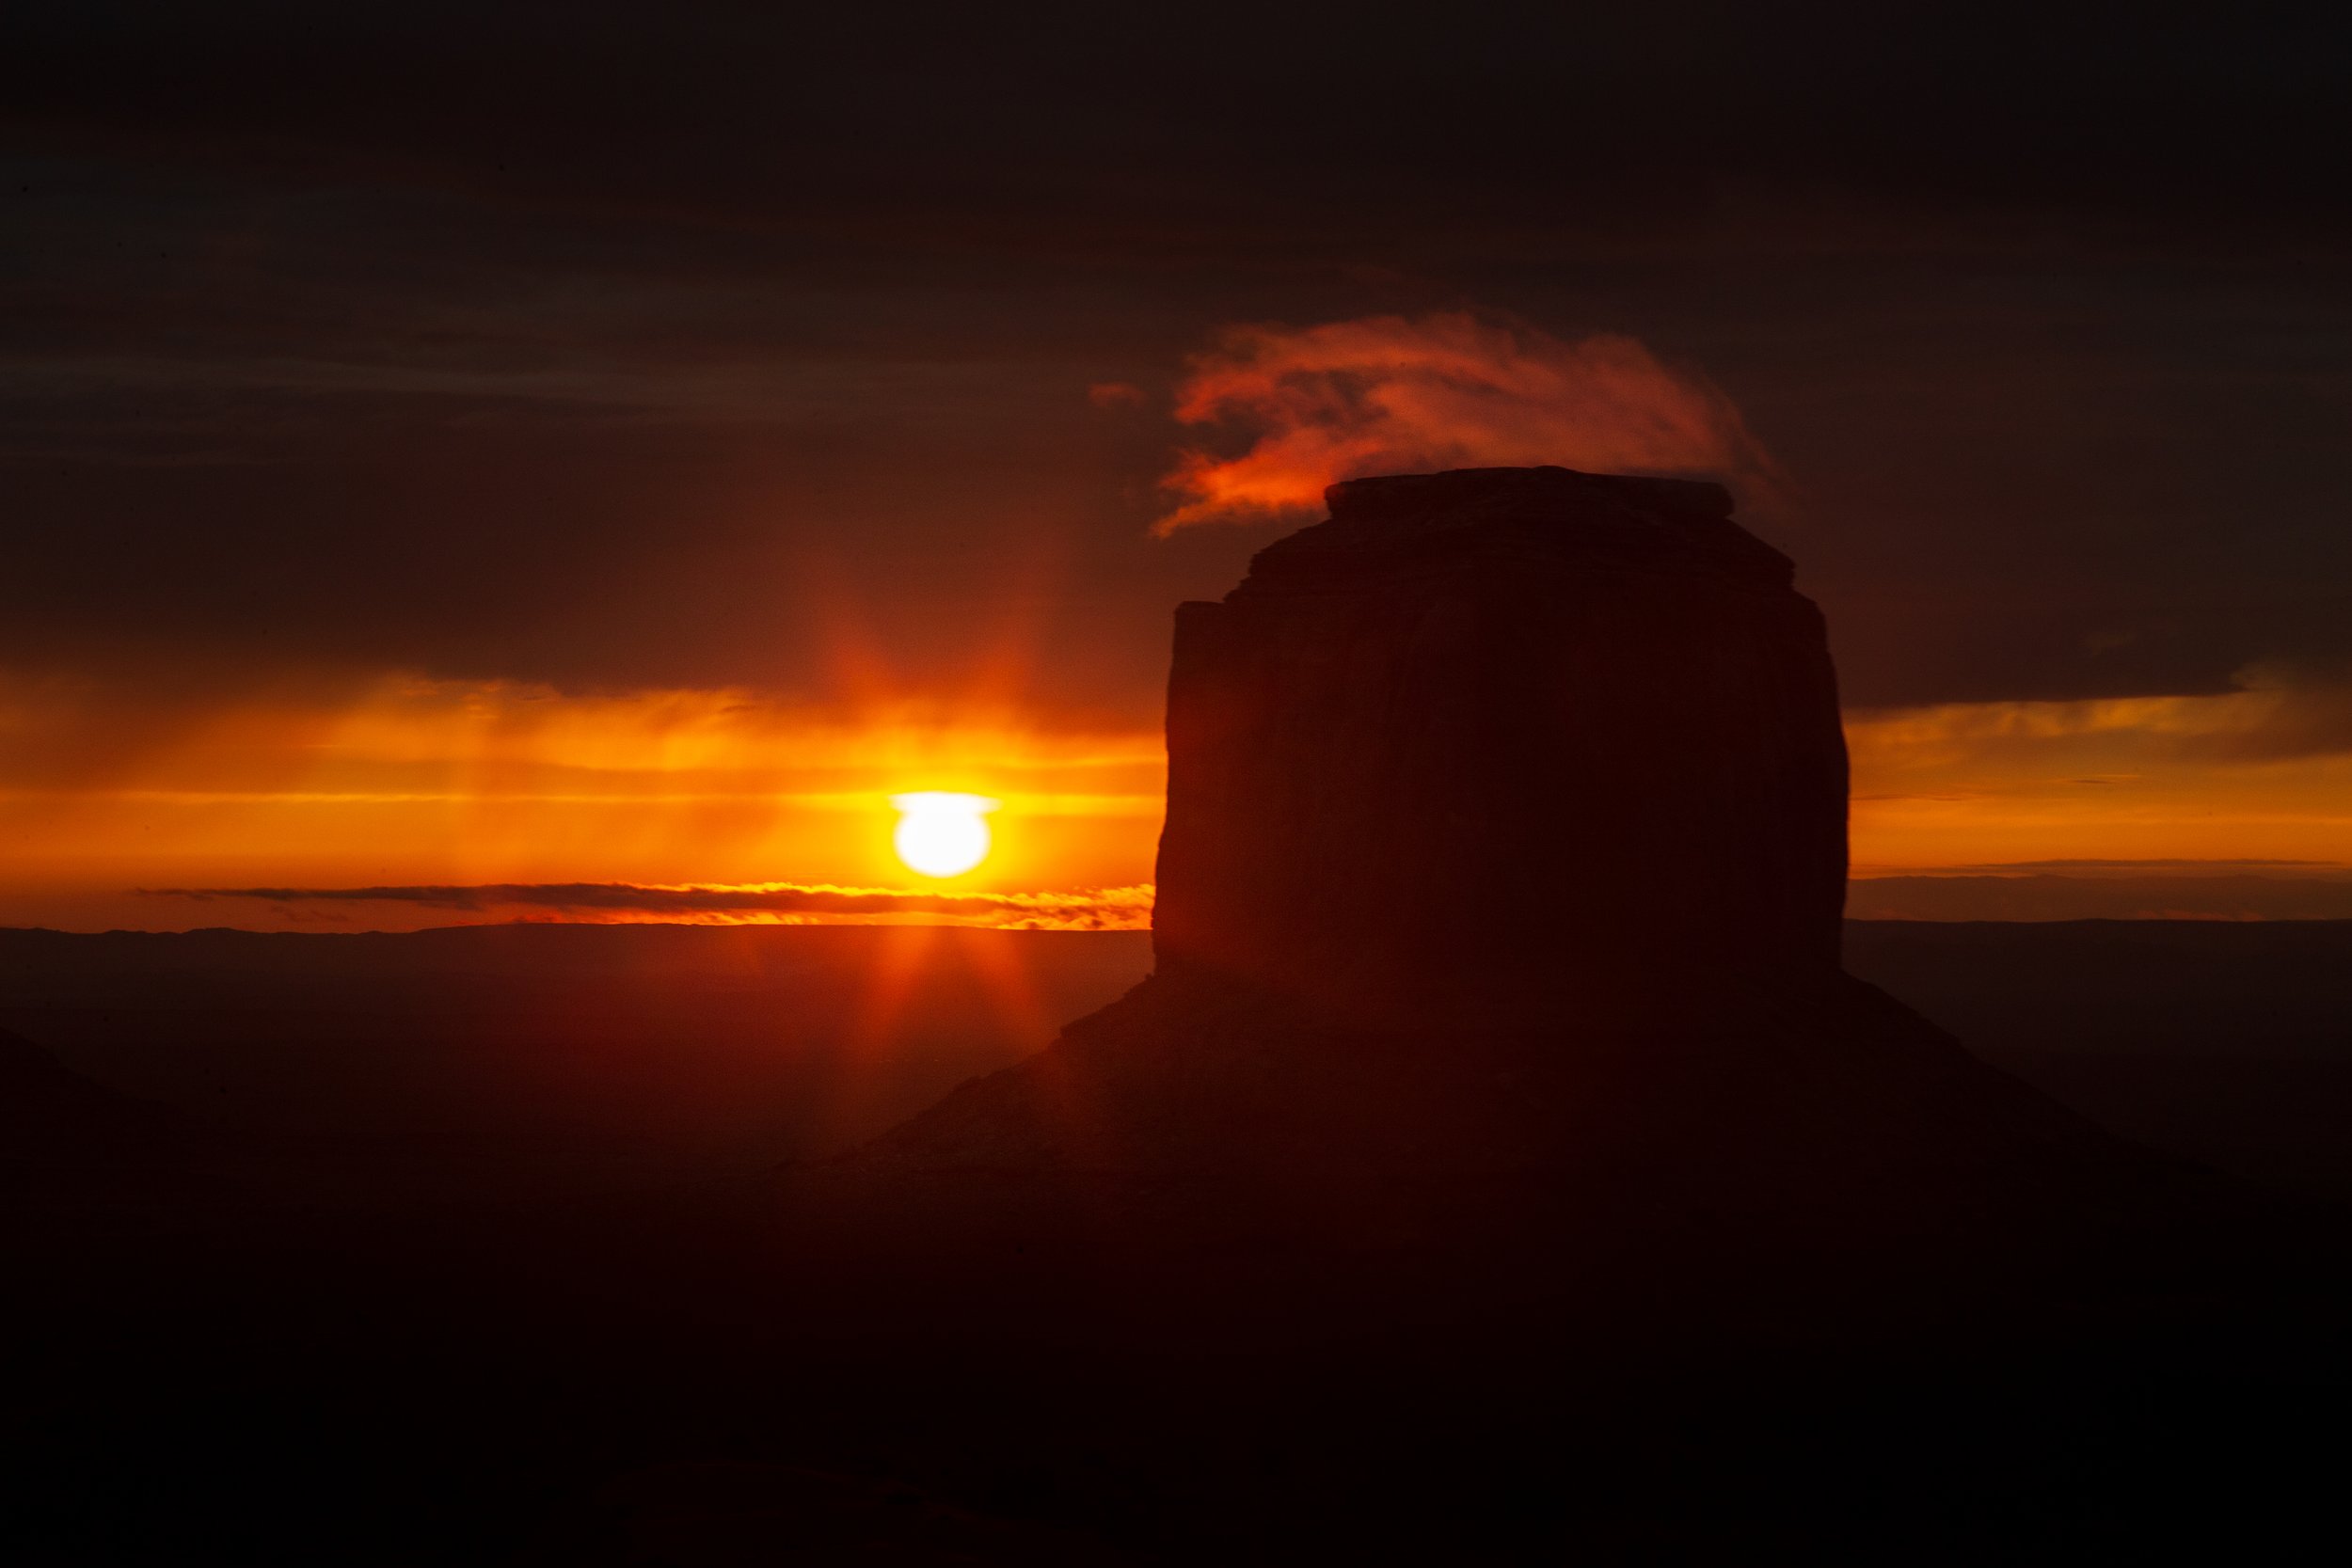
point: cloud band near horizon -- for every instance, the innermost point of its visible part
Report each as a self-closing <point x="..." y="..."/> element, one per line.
<point x="2053" y="890"/>
<point x="1085" y="910"/>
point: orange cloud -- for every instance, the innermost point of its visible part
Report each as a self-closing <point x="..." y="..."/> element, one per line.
<point x="1385" y="394"/>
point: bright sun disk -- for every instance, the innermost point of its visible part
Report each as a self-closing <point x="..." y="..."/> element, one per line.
<point x="941" y="833"/>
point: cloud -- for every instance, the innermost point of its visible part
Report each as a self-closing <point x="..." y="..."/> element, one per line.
<point x="2277" y="714"/>
<point x="1117" y="908"/>
<point x="2296" y="709"/>
<point x="400" y="735"/>
<point x="1387" y="394"/>
<point x="2099" y="889"/>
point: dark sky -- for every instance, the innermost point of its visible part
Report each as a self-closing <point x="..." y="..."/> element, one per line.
<point x="590" y="345"/>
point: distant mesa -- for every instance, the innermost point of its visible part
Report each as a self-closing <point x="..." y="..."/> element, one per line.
<point x="1498" y="939"/>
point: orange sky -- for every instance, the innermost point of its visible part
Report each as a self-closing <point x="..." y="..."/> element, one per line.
<point x="2213" y="778"/>
<point x="418" y="781"/>
<point x="415" y="782"/>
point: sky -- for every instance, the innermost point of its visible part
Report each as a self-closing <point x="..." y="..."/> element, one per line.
<point x="456" y="457"/>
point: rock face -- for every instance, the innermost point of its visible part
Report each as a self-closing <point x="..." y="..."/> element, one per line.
<point x="1490" y="742"/>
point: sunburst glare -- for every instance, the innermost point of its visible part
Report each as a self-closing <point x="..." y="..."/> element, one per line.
<point x="940" y="832"/>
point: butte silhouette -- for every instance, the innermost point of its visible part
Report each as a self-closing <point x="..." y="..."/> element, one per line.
<point x="1497" y="961"/>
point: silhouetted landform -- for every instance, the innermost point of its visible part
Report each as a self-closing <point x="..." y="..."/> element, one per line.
<point x="1498" y="942"/>
<point x="1394" y="1216"/>
<point x="514" y="1323"/>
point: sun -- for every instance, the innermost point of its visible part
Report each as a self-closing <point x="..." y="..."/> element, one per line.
<point x="941" y="834"/>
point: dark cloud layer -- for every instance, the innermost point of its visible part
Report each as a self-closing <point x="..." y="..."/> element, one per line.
<point x="617" y="346"/>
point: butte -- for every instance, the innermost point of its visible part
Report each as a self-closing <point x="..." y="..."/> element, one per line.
<point x="1498" y="971"/>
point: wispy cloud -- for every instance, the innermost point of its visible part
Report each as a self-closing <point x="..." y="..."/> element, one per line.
<point x="1387" y="394"/>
